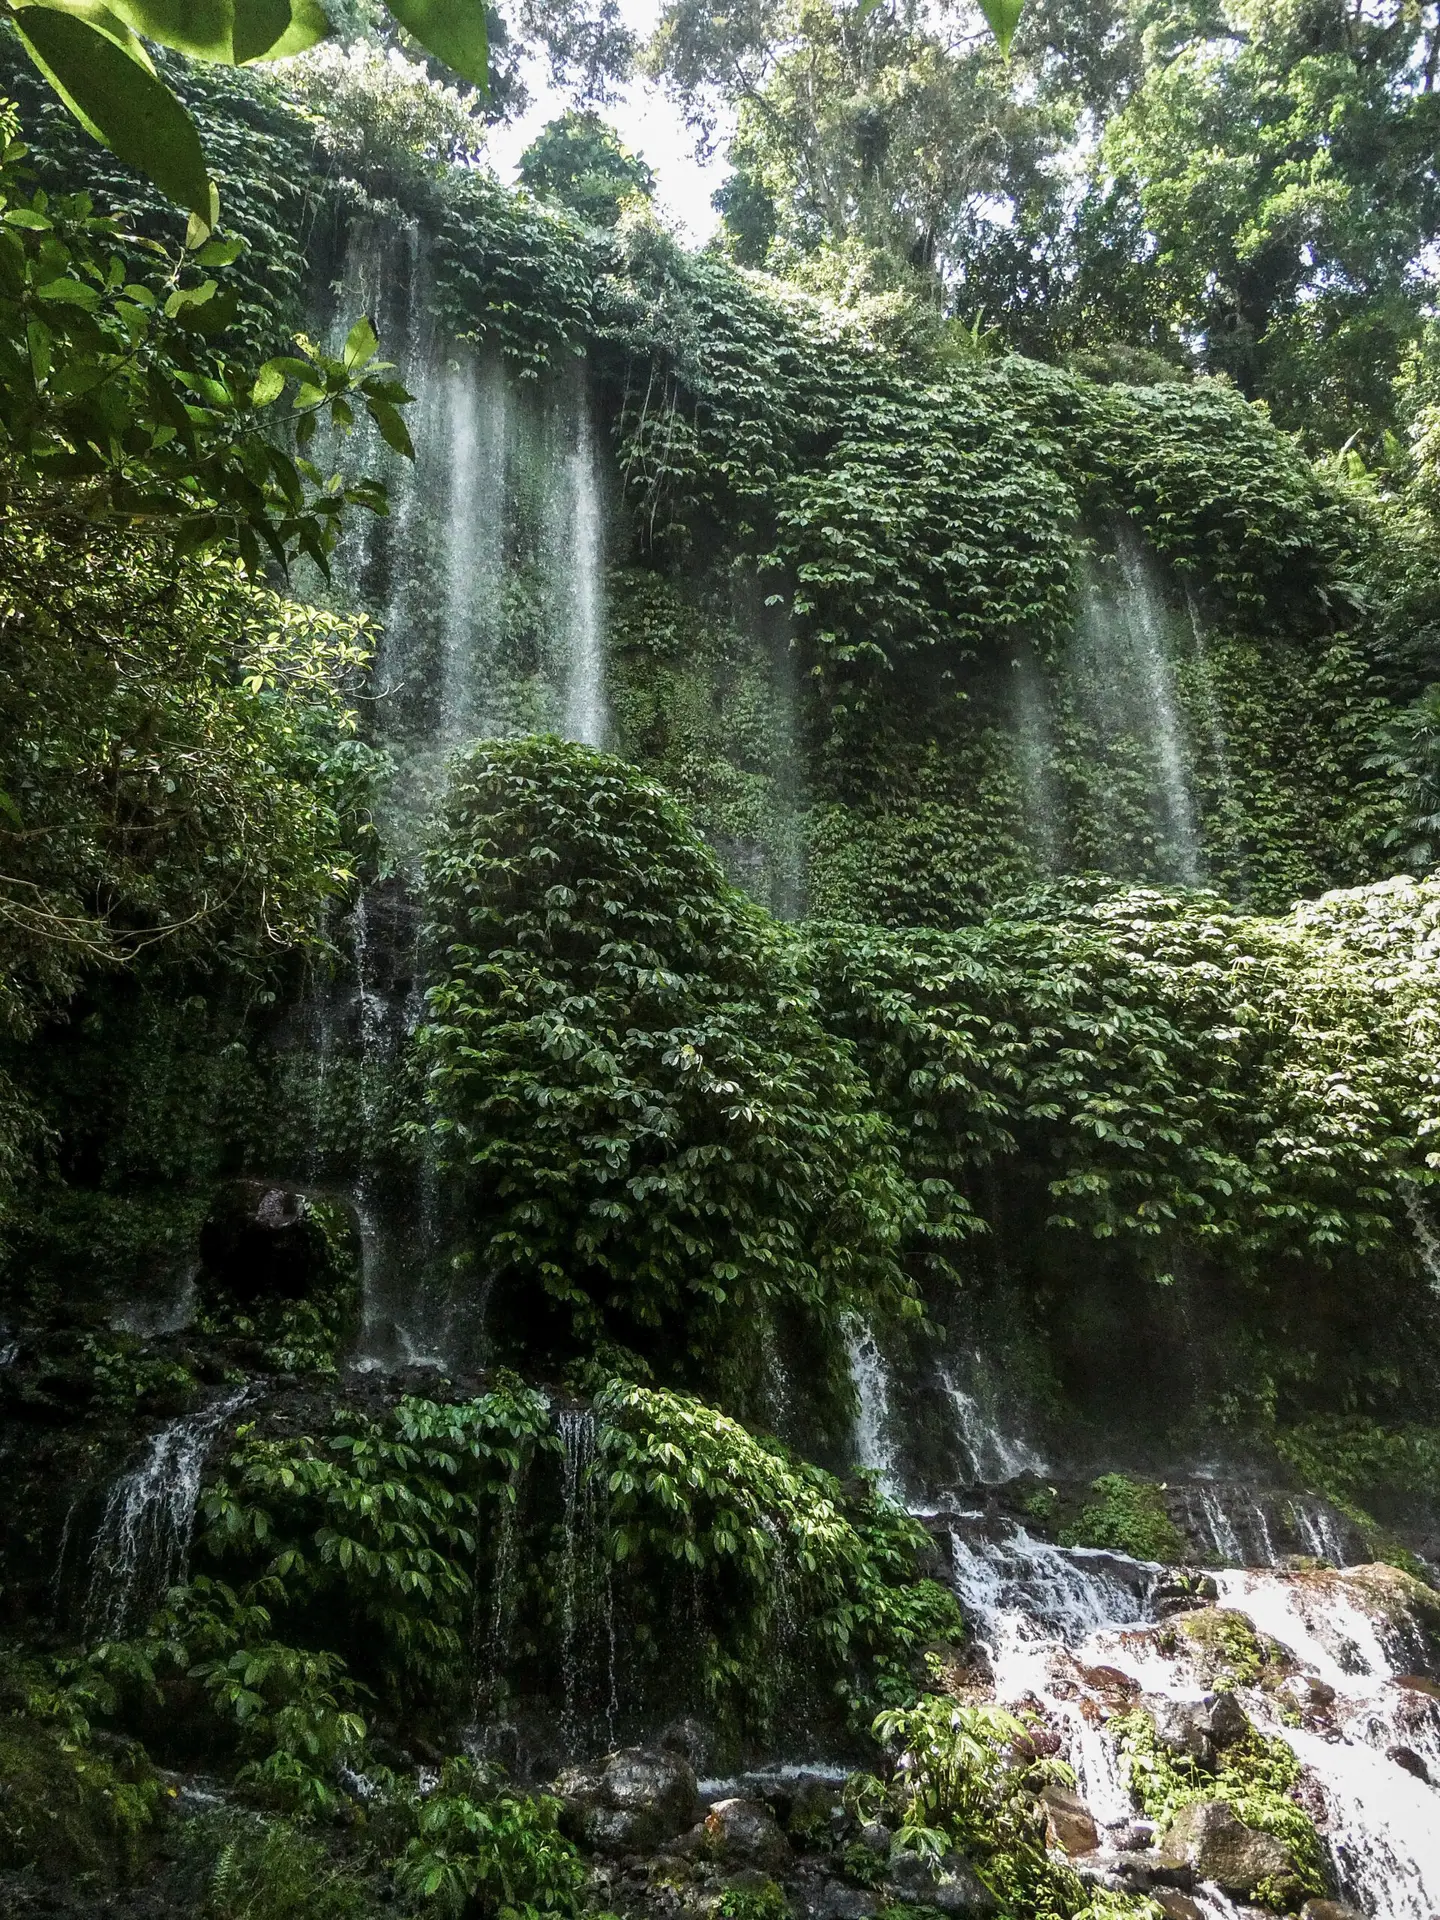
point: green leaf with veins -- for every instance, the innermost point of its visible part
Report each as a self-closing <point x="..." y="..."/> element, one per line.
<point x="107" y="87"/>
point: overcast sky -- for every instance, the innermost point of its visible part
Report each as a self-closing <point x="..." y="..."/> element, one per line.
<point x="647" y="123"/>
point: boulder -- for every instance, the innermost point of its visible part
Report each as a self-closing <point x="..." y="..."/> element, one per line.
<point x="744" y="1833"/>
<point x="814" y="1807"/>
<point x="1183" y="1726"/>
<point x="691" y="1739"/>
<point x="266" y="1240"/>
<point x="1218" y="1846"/>
<point x="1176" y="1905"/>
<point x="833" y="1900"/>
<point x="949" y="1884"/>
<point x="1069" y="1824"/>
<point x="1228" y="1720"/>
<point x="631" y="1802"/>
<point x="1407" y="1758"/>
<point x="1329" y="1910"/>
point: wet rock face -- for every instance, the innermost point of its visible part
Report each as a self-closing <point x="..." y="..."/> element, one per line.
<point x="744" y="1833"/>
<point x="1198" y="1729"/>
<point x="631" y="1802"/>
<point x="950" y="1884"/>
<point x="1069" y="1824"/>
<point x="262" y="1241"/>
<point x="1218" y="1845"/>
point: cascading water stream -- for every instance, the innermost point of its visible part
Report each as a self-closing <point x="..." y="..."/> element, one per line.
<point x="584" y="690"/>
<point x="1044" y="809"/>
<point x="143" y="1543"/>
<point x="486" y="578"/>
<point x="587" y="1621"/>
<point x="1066" y="1630"/>
<point x="1427" y="1236"/>
<point x="874" y="1440"/>
<point x="992" y="1455"/>
<point x="1120" y="676"/>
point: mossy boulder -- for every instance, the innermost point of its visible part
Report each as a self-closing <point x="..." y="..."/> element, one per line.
<point x="68" y="1812"/>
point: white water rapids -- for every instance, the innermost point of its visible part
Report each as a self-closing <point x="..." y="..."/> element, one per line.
<point x="1367" y="1731"/>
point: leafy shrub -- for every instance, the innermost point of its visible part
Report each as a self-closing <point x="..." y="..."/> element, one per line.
<point x="1129" y="1516"/>
<point x="754" y="1903"/>
<point x="626" y="1064"/>
<point x="267" y="1870"/>
<point x="781" y="1551"/>
<point x="376" y="1527"/>
<point x="1257" y="1775"/>
<point x="481" y="1849"/>
<point x="969" y="1781"/>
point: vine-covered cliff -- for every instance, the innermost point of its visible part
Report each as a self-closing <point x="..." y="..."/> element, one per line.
<point x="771" y="1062"/>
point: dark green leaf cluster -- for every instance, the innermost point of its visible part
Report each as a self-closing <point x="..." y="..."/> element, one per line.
<point x="626" y="1065"/>
<point x="807" y="1586"/>
<point x="1166" y="1070"/>
<point x="114" y="408"/>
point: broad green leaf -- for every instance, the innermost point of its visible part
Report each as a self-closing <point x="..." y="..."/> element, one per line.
<point x="309" y="24"/>
<point x="227" y="31"/>
<point x="120" y="104"/>
<point x="75" y="293"/>
<point x="269" y="384"/>
<point x="453" y="30"/>
<point x="1003" y="17"/>
<point x="360" y="343"/>
<point x="198" y="27"/>
<point x="104" y="19"/>
<point x="219" y="253"/>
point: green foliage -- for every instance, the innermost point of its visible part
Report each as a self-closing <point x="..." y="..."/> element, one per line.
<point x="266" y="1869"/>
<point x="1256" y="1775"/>
<point x="69" y="1810"/>
<point x="115" y="406"/>
<point x="785" y="1557"/>
<point x="483" y="1850"/>
<point x="1129" y="1516"/>
<point x="126" y="1377"/>
<point x="953" y="1763"/>
<point x="578" y="162"/>
<point x="376" y="1527"/>
<point x="625" y="1063"/>
<point x="754" y="1903"/>
<point x="969" y="1782"/>
<point x="99" y="67"/>
<point x="1226" y="1648"/>
<point x="1174" y="1067"/>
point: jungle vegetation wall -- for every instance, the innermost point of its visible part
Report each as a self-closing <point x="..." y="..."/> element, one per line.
<point x="924" y="956"/>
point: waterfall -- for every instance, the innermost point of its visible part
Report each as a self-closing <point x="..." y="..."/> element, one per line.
<point x="1233" y="1525"/>
<point x="874" y="1443"/>
<point x="478" y="429"/>
<point x="1075" y="1634"/>
<point x="1044" y="809"/>
<point x="584" y="689"/>
<point x="587" y="1609"/>
<point x="143" y="1543"/>
<point x="992" y="1456"/>
<point x="1232" y="811"/>
<point x="492" y="1650"/>
<point x="1120" y="674"/>
<point x="1427" y="1238"/>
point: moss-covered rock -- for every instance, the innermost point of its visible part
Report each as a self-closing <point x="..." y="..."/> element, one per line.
<point x="67" y="1812"/>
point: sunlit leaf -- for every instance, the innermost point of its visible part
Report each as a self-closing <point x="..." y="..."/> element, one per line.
<point x="122" y="105"/>
<point x="1003" y="17"/>
<point x="453" y="30"/>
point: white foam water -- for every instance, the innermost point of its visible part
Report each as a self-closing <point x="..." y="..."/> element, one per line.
<point x="144" y="1538"/>
<point x="1049" y="1618"/>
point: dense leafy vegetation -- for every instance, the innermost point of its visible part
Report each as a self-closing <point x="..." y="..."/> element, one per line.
<point x="625" y="1063"/>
